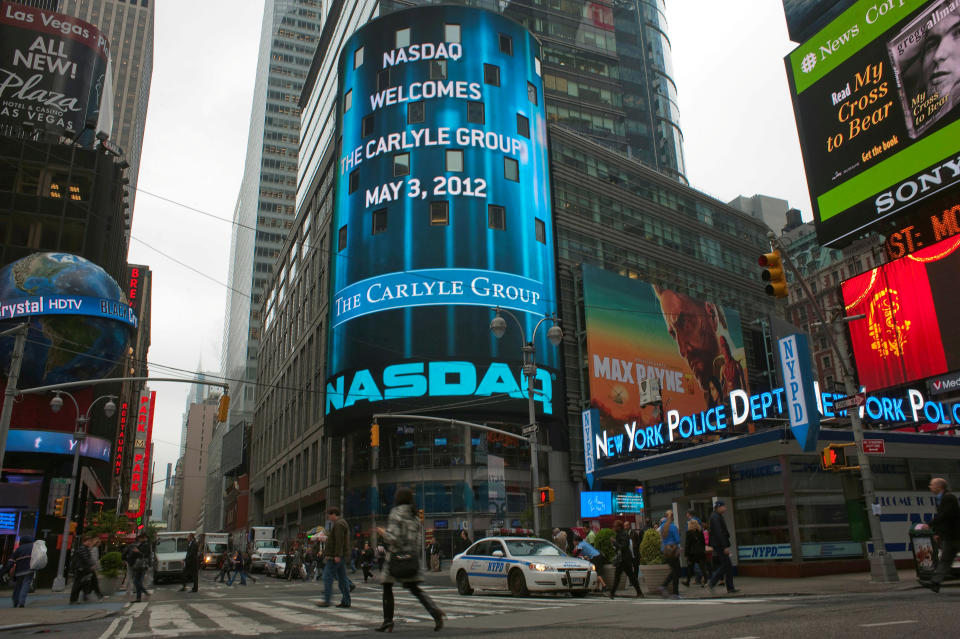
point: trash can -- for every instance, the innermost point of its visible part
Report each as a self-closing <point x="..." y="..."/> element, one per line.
<point x="925" y="552"/>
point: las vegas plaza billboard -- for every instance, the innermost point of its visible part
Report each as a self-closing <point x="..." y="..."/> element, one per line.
<point x="875" y="95"/>
<point x="442" y="211"/>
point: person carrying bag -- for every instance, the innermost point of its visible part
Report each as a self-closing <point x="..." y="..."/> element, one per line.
<point x="403" y="535"/>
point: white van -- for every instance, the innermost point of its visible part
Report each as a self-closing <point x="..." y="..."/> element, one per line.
<point x="170" y="554"/>
<point x="215" y="546"/>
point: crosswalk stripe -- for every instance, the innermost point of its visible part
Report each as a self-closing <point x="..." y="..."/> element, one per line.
<point x="289" y="616"/>
<point x="169" y="621"/>
<point x="231" y="622"/>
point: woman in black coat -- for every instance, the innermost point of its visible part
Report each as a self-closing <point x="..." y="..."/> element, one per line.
<point x="695" y="548"/>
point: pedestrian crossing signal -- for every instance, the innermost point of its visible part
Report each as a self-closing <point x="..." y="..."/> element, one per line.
<point x="834" y="457"/>
<point x="544" y="496"/>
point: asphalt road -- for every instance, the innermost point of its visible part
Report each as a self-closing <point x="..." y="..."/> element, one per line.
<point x="271" y="606"/>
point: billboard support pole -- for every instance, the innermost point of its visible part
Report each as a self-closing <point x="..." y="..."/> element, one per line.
<point x="882" y="567"/>
<point x="16" y="359"/>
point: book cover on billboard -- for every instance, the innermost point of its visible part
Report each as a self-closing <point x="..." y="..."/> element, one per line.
<point x="925" y="56"/>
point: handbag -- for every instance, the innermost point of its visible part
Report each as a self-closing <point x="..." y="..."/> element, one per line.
<point x="671" y="551"/>
<point x="404" y="566"/>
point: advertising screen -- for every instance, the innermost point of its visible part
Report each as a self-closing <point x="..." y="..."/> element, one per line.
<point x="637" y="331"/>
<point x="53" y="71"/>
<point x="875" y="95"/>
<point x="912" y="311"/>
<point x="442" y="212"/>
<point x="596" y="504"/>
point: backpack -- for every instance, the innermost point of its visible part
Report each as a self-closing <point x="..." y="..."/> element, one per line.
<point x="38" y="555"/>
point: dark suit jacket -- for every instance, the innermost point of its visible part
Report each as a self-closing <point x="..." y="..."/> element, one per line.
<point x="946" y="522"/>
<point x="192" y="558"/>
<point x="719" y="535"/>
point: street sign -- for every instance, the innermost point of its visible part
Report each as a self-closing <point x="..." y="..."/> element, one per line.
<point x="529" y="430"/>
<point x="874" y="447"/>
<point x="801" y="402"/>
<point x="853" y="401"/>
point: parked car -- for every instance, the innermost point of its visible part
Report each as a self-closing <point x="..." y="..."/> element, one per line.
<point x="277" y="566"/>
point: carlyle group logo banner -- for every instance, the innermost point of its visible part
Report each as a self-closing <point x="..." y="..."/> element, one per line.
<point x="442" y="213"/>
<point x="52" y="70"/>
<point x="637" y="331"/>
<point x="875" y="96"/>
<point x="911" y="312"/>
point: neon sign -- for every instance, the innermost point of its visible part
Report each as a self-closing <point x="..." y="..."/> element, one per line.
<point x="139" y="474"/>
<point x="118" y="458"/>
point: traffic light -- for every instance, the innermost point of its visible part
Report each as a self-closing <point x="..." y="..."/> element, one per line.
<point x="374" y="435"/>
<point x="59" y="505"/>
<point x="833" y="457"/>
<point x="223" y="408"/>
<point x="773" y="274"/>
<point x="544" y="496"/>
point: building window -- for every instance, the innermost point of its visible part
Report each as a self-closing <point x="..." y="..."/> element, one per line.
<point x="438" y="69"/>
<point x="342" y="238"/>
<point x="415" y="112"/>
<point x="383" y="80"/>
<point x="506" y="44"/>
<point x="366" y="126"/>
<point x="347" y="100"/>
<point x="401" y="164"/>
<point x="354" y="180"/>
<point x="496" y="217"/>
<point x="511" y="169"/>
<point x="532" y="94"/>
<point x="402" y="38"/>
<point x="439" y="214"/>
<point x="536" y="64"/>
<point x="541" y="229"/>
<point x="475" y="112"/>
<point x="454" y="160"/>
<point x="379" y="221"/>
<point x="523" y="125"/>
<point x="451" y="33"/>
<point x="491" y="74"/>
<point x="358" y="57"/>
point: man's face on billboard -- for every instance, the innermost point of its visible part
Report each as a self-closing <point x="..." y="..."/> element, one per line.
<point x="941" y="56"/>
<point x="693" y="326"/>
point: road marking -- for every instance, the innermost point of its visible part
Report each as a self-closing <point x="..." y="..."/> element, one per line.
<point x="168" y="621"/>
<point x="288" y="616"/>
<point x="229" y="621"/>
<point x="750" y="637"/>
<point x="109" y="632"/>
<point x="887" y="623"/>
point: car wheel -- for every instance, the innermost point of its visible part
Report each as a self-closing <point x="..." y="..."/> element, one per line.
<point x="518" y="584"/>
<point x="463" y="583"/>
<point x="579" y="594"/>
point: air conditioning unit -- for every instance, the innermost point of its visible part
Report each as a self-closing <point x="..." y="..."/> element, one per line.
<point x="649" y="391"/>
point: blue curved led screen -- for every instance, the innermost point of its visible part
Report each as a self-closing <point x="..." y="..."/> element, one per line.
<point x="442" y="211"/>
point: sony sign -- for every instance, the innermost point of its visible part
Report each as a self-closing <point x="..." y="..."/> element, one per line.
<point x="435" y="379"/>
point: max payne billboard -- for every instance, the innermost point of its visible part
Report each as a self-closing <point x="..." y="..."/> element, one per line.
<point x="875" y="95"/>
<point x="53" y="70"/>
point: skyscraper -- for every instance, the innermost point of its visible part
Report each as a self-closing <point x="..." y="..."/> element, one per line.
<point x="264" y="211"/>
<point x="129" y="27"/>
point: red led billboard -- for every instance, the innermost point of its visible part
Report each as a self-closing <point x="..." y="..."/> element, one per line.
<point x="911" y="312"/>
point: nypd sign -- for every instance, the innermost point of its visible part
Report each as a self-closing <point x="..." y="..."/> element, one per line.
<point x="800" y="395"/>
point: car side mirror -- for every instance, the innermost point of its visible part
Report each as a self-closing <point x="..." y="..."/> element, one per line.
<point x="498" y="553"/>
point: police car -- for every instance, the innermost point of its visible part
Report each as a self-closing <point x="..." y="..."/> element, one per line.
<point x="521" y="565"/>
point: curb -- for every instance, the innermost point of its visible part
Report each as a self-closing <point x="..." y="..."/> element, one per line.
<point x="59" y="621"/>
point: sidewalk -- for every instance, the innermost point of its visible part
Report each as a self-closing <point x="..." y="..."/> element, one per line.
<point x="45" y="607"/>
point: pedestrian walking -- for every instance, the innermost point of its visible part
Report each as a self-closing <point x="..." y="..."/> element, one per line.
<point x="465" y="541"/>
<point x="224" y="568"/>
<point x="560" y="539"/>
<point x="366" y="561"/>
<point x="381" y="556"/>
<point x="402" y="566"/>
<point x="236" y="564"/>
<point x="670" y="547"/>
<point x="720" y="542"/>
<point x="85" y="570"/>
<point x="191" y="564"/>
<point x="695" y="548"/>
<point x="19" y="562"/>
<point x="623" y="560"/>
<point x="137" y="557"/>
<point x="946" y="528"/>
<point x="591" y="554"/>
<point x="434" y="550"/>
<point x="337" y="553"/>
<point x="248" y="566"/>
<point x="354" y="558"/>
<point x="308" y="560"/>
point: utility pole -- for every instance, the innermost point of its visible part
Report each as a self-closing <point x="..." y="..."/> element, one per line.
<point x="882" y="568"/>
<point x="16" y="359"/>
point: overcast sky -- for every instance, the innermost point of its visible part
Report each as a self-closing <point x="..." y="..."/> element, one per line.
<point x="738" y="125"/>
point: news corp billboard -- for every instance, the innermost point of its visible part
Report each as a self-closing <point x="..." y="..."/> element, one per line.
<point x="53" y="71"/>
<point x="442" y="211"/>
<point x="912" y="313"/>
<point x="875" y="96"/>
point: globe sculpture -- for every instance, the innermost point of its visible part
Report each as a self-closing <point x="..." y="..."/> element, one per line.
<point x="62" y="348"/>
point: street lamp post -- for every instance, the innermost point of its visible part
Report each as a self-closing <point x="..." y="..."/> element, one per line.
<point x="498" y="326"/>
<point x="79" y="434"/>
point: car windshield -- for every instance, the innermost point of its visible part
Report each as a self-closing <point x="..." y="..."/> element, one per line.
<point x="172" y="545"/>
<point x="266" y="543"/>
<point x="533" y="547"/>
<point x="217" y="547"/>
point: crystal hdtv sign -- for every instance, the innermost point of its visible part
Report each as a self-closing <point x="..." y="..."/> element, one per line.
<point x="911" y="313"/>
<point x="442" y="212"/>
<point x="875" y="95"/>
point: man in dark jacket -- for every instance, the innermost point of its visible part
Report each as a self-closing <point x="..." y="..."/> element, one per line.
<point x="137" y="556"/>
<point x="85" y="570"/>
<point x="337" y="552"/>
<point x="22" y="575"/>
<point x="191" y="565"/>
<point x="946" y="528"/>
<point x="720" y="541"/>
